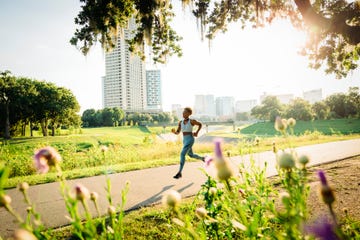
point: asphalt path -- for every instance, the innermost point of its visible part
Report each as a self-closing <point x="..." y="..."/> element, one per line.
<point x="148" y="186"/>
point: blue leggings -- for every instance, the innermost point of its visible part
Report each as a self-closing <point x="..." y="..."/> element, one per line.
<point x="188" y="142"/>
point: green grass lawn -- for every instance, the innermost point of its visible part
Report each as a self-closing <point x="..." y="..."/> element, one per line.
<point x="132" y="148"/>
<point x="326" y="127"/>
<point x="128" y="148"/>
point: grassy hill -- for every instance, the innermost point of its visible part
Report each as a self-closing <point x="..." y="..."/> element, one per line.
<point x="327" y="127"/>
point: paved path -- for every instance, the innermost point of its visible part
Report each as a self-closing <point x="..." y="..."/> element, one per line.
<point x="148" y="185"/>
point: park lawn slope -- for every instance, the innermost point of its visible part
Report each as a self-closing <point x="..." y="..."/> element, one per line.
<point x="326" y="127"/>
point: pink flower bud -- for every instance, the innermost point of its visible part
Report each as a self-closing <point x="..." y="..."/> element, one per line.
<point x="286" y="161"/>
<point x="172" y="198"/>
<point x="82" y="192"/>
<point x="280" y="124"/>
<point x="23" y="186"/>
<point x="111" y="210"/>
<point x="291" y="122"/>
<point x="22" y="234"/>
<point x="104" y="148"/>
<point x="201" y="212"/>
<point x="94" y="196"/>
<point x="212" y="191"/>
<point x="303" y="160"/>
<point x="5" y="200"/>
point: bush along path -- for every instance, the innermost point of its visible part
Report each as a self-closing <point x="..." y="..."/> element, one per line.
<point x="235" y="199"/>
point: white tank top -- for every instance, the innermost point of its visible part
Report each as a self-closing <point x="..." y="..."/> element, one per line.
<point x="186" y="127"/>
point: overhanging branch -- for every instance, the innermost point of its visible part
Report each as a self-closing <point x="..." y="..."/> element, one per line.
<point x="332" y="25"/>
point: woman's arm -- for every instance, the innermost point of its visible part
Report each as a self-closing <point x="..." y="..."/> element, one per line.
<point x="197" y="123"/>
<point x="178" y="129"/>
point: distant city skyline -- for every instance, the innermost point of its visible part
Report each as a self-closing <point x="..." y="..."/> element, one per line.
<point x="224" y="107"/>
<point x="241" y="63"/>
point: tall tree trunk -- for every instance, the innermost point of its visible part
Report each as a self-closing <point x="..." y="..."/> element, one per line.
<point x="44" y="128"/>
<point x="7" y="121"/>
<point x="31" y="129"/>
<point x="53" y="130"/>
<point x="23" y="129"/>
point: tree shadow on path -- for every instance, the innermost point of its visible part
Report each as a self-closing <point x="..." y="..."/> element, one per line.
<point x="157" y="197"/>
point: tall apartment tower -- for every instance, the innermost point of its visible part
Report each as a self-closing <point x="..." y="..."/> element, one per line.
<point x="313" y="95"/>
<point x="245" y="105"/>
<point x="153" y="90"/>
<point x="204" y="105"/>
<point x="225" y="107"/>
<point x="124" y="84"/>
<point x="177" y="110"/>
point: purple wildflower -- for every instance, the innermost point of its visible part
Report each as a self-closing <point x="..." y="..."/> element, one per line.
<point x="218" y="152"/>
<point x="326" y="191"/>
<point x="46" y="157"/>
<point x="41" y="165"/>
<point x="208" y="160"/>
<point x="224" y="171"/>
<point x="322" y="177"/>
<point x="322" y="229"/>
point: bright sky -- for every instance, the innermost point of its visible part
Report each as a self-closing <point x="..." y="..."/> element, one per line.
<point x="35" y="38"/>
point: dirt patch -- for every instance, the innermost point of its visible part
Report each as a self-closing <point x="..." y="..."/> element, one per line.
<point x="344" y="177"/>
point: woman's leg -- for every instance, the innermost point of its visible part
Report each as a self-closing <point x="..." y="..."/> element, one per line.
<point x="193" y="155"/>
<point x="188" y="142"/>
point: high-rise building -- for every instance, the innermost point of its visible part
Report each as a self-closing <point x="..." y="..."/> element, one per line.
<point x="204" y="106"/>
<point x="283" y="98"/>
<point x="225" y="107"/>
<point x="124" y="84"/>
<point x="177" y="110"/>
<point x="245" y="105"/>
<point x="313" y="95"/>
<point x="153" y="90"/>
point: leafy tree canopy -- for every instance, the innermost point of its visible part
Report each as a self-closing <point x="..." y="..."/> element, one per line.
<point x="333" y="26"/>
<point x="299" y="109"/>
<point x="269" y="109"/>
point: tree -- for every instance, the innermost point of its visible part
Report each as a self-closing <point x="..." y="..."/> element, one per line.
<point x="336" y="103"/>
<point x="163" y="117"/>
<point x="7" y="95"/>
<point x="88" y="118"/>
<point x="242" y="116"/>
<point x="353" y="102"/>
<point x="299" y="109"/>
<point x="107" y="117"/>
<point x="118" y="115"/>
<point x="333" y="26"/>
<point x="64" y="110"/>
<point x="25" y="101"/>
<point x="166" y="117"/>
<point x="269" y="109"/>
<point x="320" y="110"/>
